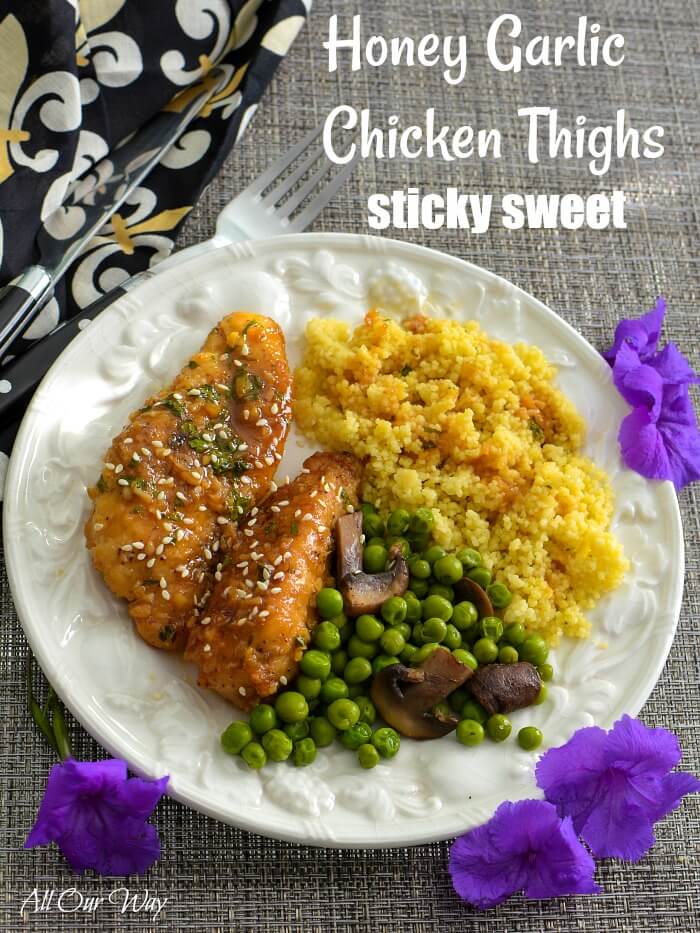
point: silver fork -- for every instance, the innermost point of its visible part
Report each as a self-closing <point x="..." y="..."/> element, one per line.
<point x="275" y="203"/>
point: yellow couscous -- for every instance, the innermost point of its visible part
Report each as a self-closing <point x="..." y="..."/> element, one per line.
<point x="445" y="417"/>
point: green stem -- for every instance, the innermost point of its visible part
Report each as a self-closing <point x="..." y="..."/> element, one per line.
<point x="50" y="720"/>
<point x="36" y="712"/>
<point x="59" y="727"/>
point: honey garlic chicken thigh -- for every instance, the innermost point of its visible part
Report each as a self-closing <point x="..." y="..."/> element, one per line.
<point x="191" y="462"/>
<point x="261" y="613"/>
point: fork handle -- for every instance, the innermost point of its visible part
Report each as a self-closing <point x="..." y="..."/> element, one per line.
<point x="20" y="377"/>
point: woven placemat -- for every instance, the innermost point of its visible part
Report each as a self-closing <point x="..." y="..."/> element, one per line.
<point x="218" y="878"/>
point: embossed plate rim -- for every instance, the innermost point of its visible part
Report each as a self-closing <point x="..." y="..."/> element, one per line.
<point x="320" y="829"/>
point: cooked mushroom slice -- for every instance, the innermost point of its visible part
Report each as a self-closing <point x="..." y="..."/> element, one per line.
<point x="364" y="592"/>
<point x="469" y="589"/>
<point x="405" y="696"/>
<point x="502" y="688"/>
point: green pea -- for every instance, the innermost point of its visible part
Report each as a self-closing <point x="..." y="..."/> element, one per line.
<point x="403" y="629"/>
<point x="413" y="609"/>
<point x="326" y="636"/>
<point x="310" y="687"/>
<point x="418" y="542"/>
<point x="466" y="657"/>
<point x="499" y="595"/>
<point x="417" y="633"/>
<point x="394" y="543"/>
<point x="534" y="650"/>
<point x="367" y="711"/>
<point x="469" y="558"/>
<point x="356" y="735"/>
<point x="386" y="741"/>
<point x="343" y="714"/>
<point x="371" y="542"/>
<point x="355" y="690"/>
<point x="424" y="652"/>
<point x="338" y="661"/>
<point x="408" y="655"/>
<point x="491" y="627"/>
<point x="515" y="634"/>
<point x="546" y="672"/>
<point x="392" y="642"/>
<point x="434" y="554"/>
<point x="357" y="670"/>
<point x="367" y="508"/>
<point x="485" y="651"/>
<point x="263" y="718"/>
<point x="529" y="738"/>
<point x="541" y="696"/>
<point x="398" y="522"/>
<point x="470" y="732"/>
<point x="419" y="568"/>
<point x="291" y="706"/>
<point x="442" y="710"/>
<point x="394" y="610"/>
<point x="508" y="654"/>
<point x="374" y="558"/>
<point x="297" y="730"/>
<point x="235" y="737"/>
<point x="334" y="689"/>
<point x="357" y="648"/>
<point x="345" y="630"/>
<point x="437" y="607"/>
<point x="368" y="628"/>
<point x="475" y="711"/>
<point x="419" y="587"/>
<point x="433" y="630"/>
<point x="329" y="602"/>
<point x="254" y="755"/>
<point x="322" y="732"/>
<point x="441" y="589"/>
<point x="480" y="575"/>
<point x="304" y="752"/>
<point x="316" y="663"/>
<point x="498" y="727"/>
<point x="452" y="639"/>
<point x="422" y="521"/>
<point x="457" y="699"/>
<point x="368" y="756"/>
<point x="382" y="661"/>
<point x="448" y="569"/>
<point x="372" y="525"/>
<point x="277" y="744"/>
<point x="464" y="615"/>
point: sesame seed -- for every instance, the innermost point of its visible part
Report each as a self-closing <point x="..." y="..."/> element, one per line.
<point x="274" y="408"/>
<point x="168" y="526"/>
<point x="242" y="691"/>
<point x="260" y="423"/>
<point x="194" y="392"/>
<point x="177" y="396"/>
<point x="275" y="509"/>
<point x="110" y="466"/>
<point x="279" y="575"/>
<point x="264" y="614"/>
<point x="218" y="576"/>
<point x="138" y="545"/>
<point x="166" y="453"/>
<point x="202" y="508"/>
<point x="184" y="573"/>
<point x="123" y="482"/>
<point x="248" y="532"/>
<point x="150" y="562"/>
<point x="249" y="584"/>
<point x="135" y="457"/>
<point x="307" y="517"/>
<point x="278" y="560"/>
<point x="196" y="475"/>
<point x="246" y="480"/>
<point x="262" y="585"/>
<point x="207" y="553"/>
<point x="159" y="550"/>
<point x="273" y="486"/>
<point x="206" y="649"/>
<point x="119" y="468"/>
<point x="215" y="546"/>
<point x="161" y="496"/>
<point x="157" y="443"/>
<point x="243" y="447"/>
<point x="181" y="496"/>
<point x="278" y="456"/>
<point x="297" y="514"/>
<point x="246" y="414"/>
<point x="159" y="514"/>
<point x="284" y="502"/>
<point x="283" y="680"/>
<point x="222" y="520"/>
<point x="141" y="556"/>
<point x="179" y="535"/>
<point x="313" y="494"/>
<point x="205" y="621"/>
<point x="245" y="349"/>
<point x="98" y="526"/>
<point x="275" y="589"/>
<point x="165" y="595"/>
<point x="167" y="540"/>
<point x="269" y="461"/>
<point x="188" y="521"/>
<point x="126" y="547"/>
<point x="322" y="528"/>
<point x="305" y="470"/>
<point x="252" y="522"/>
<point x="128" y="440"/>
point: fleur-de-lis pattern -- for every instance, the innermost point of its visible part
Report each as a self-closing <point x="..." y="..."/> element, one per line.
<point x="78" y="77"/>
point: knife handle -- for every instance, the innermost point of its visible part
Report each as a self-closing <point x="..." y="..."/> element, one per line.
<point x="20" y="302"/>
<point x="20" y="377"/>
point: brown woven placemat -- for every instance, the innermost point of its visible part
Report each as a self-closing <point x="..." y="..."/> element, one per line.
<point x="218" y="878"/>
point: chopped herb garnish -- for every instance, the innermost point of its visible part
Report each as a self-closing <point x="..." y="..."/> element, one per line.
<point x="173" y="405"/>
<point x="261" y="572"/>
<point x="405" y="370"/>
<point x="208" y="393"/>
<point x="193" y="364"/>
<point x="248" y="326"/>
<point x="247" y="386"/>
<point x="145" y="408"/>
<point x="536" y="429"/>
<point x="101" y="484"/>
<point x="151" y="581"/>
<point x="295" y="528"/>
<point x="238" y="505"/>
<point x="229" y="464"/>
<point x="167" y="633"/>
<point x="270" y="528"/>
<point x="138" y="510"/>
<point x="188" y="427"/>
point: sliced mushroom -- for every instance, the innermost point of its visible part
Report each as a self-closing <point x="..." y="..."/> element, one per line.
<point x="364" y="592"/>
<point x="502" y="688"/>
<point x="469" y="589"/>
<point x="405" y="696"/>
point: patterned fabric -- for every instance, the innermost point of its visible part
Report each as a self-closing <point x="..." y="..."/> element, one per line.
<point x="77" y="77"/>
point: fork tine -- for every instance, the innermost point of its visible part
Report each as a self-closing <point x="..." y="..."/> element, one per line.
<point x="301" y="194"/>
<point x="257" y="186"/>
<point x="314" y="208"/>
<point x="288" y="183"/>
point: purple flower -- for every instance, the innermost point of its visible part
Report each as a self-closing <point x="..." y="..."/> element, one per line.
<point x="97" y="817"/>
<point x="524" y="846"/>
<point x="660" y="437"/>
<point x="615" y="785"/>
<point x="641" y="334"/>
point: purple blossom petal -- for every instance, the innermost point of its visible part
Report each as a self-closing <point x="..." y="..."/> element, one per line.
<point x="97" y="816"/>
<point x="616" y="788"/>
<point x="641" y="334"/>
<point x="524" y="846"/>
<point x="668" y="448"/>
<point x="673" y="367"/>
<point x="638" y="383"/>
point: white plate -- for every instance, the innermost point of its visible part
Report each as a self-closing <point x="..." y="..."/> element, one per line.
<point x="144" y="706"/>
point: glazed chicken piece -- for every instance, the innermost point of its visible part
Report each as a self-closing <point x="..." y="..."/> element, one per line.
<point x="262" y="611"/>
<point x="192" y="461"/>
